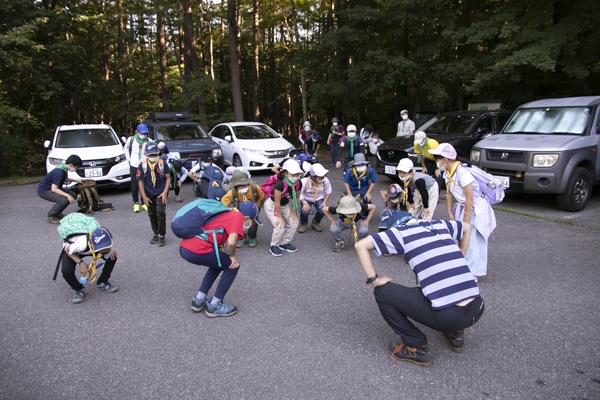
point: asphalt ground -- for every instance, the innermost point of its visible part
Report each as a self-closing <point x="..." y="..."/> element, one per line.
<point x="307" y="328"/>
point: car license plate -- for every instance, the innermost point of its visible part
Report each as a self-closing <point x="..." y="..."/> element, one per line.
<point x="390" y="169"/>
<point x="93" y="172"/>
<point x="504" y="180"/>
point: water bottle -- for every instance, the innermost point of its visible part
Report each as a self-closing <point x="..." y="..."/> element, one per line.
<point x="83" y="280"/>
<point x="492" y="185"/>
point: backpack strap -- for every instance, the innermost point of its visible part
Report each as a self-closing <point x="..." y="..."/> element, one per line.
<point x="213" y="232"/>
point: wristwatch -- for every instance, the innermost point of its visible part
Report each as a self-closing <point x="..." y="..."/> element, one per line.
<point x="372" y="279"/>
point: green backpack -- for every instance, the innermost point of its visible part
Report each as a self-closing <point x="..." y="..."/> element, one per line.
<point x="76" y="224"/>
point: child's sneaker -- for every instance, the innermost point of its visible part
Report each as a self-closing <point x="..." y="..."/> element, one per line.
<point x="240" y="243"/>
<point x="144" y="207"/>
<point x="79" y="296"/>
<point x="276" y="251"/>
<point x="161" y="240"/>
<point x="107" y="287"/>
<point x="338" y="246"/>
<point x="415" y="355"/>
<point x="178" y="199"/>
<point x="288" y="247"/>
<point x="136" y="208"/>
<point x="220" y="310"/>
<point x="199" y="305"/>
<point x="252" y="242"/>
<point x="154" y="239"/>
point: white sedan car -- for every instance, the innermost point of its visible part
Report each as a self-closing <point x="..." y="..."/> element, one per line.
<point x="251" y="145"/>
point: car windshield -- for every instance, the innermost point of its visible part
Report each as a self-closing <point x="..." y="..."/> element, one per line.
<point x="448" y="124"/>
<point x="181" y="132"/>
<point x="74" y="138"/>
<point x="559" y="120"/>
<point x="254" y="132"/>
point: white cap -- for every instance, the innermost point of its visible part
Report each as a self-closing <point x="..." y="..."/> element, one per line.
<point x="318" y="170"/>
<point x="445" y="150"/>
<point x="292" y="167"/>
<point x="161" y="145"/>
<point x="403" y="112"/>
<point x="419" y="136"/>
<point x="405" y="165"/>
<point x="351" y="128"/>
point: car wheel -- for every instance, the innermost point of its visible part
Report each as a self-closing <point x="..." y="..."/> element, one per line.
<point x="579" y="190"/>
<point x="237" y="161"/>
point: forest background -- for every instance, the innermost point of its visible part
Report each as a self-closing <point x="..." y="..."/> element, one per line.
<point x="279" y="62"/>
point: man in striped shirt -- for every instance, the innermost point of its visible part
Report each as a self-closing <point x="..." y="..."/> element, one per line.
<point x="448" y="298"/>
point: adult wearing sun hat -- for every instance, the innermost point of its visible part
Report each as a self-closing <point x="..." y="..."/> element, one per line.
<point x="316" y="190"/>
<point x="464" y="203"/>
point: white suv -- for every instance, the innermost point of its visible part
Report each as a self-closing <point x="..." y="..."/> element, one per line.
<point x="99" y="148"/>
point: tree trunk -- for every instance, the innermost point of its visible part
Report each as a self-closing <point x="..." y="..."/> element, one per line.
<point x="162" y="55"/>
<point x="236" y="87"/>
<point x="301" y="63"/>
<point x="191" y="65"/>
<point x="255" y="64"/>
<point x="122" y="65"/>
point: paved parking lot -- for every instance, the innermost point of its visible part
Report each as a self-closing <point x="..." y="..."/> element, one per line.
<point x="308" y="327"/>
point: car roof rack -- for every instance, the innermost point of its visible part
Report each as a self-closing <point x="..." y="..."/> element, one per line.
<point x="169" y="116"/>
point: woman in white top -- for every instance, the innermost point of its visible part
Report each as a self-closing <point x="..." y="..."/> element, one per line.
<point x="470" y="206"/>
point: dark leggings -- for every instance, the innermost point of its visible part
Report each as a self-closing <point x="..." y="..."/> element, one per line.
<point x="210" y="260"/>
<point x="157" y="211"/>
<point x="68" y="270"/>
<point x="135" y="190"/>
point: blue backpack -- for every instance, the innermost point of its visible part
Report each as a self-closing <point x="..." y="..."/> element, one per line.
<point x="189" y="221"/>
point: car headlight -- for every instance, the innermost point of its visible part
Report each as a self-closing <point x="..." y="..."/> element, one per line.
<point x="120" y="158"/>
<point x="545" y="160"/>
<point x="56" y="161"/>
<point x="259" y="152"/>
<point x="475" y="154"/>
<point x="217" y="153"/>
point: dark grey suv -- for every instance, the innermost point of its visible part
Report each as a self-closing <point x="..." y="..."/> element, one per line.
<point x="462" y="129"/>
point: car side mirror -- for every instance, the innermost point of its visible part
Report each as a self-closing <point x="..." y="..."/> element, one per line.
<point x="229" y="138"/>
<point x="47" y="144"/>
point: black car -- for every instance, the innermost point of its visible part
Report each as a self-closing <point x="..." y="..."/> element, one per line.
<point x="462" y="129"/>
<point x="183" y="137"/>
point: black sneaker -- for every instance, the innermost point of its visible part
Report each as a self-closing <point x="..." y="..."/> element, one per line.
<point x="79" y="296"/>
<point x="419" y="356"/>
<point x="154" y="239"/>
<point x="455" y="340"/>
<point x="161" y="240"/>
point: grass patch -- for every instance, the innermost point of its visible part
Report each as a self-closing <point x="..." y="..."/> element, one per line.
<point x="20" y="181"/>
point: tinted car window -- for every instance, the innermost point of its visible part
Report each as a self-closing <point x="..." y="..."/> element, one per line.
<point x="255" y="132"/>
<point x="448" y="124"/>
<point x="487" y="124"/>
<point x="503" y="119"/>
<point x="178" y="132"/>
<point x="85" y="138"/>
<point x="559" y="120"/>
<point x="217" y="132"/>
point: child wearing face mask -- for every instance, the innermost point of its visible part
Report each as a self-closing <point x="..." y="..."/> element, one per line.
<point x="424" y="190"/>
<point x="316" y="190"/>
<point x="135" y="152"/>
<point x="360" y="179"/>
<point x="282" y="208"/>
<point x="351" y="214"/>
<point x="195" y="173"/>
<point x="51" y="187"/>
<point x="353" y="145"/>
<point x="242" y="190"/>
<point x="464" y="203"/>
<point x="336" y="134"/>
<point x="195" y="250"/>
<point x="394" y="200"/>
<point x="154" y="178"/>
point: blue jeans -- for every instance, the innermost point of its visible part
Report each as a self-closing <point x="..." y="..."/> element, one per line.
<point x="318" y="215"/>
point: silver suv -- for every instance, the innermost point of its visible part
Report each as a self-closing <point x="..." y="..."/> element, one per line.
<point x="548" y="146"/>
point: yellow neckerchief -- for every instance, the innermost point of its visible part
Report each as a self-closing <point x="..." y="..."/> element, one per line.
<point x="450" y="174"/>
<point x="358" y="177"/>
<point x="404" y="194"/>
<point x="91" y="274"/>
<point x="151" y="166"/>
<point x="319" y="184"/>
<point x="352" y="223"/>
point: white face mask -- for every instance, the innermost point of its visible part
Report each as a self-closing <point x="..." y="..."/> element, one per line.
<point x="206" y="164"/>
<point x="440" y="167"/>
<point x="142" y="137"/>
<point x="307" y="129"/>
<point x="404" y="178"/>
<point x="395" y="201"/>
<point x="292" y="179"/>
<point x="73" y="169"/>
<point x="405" y="117"/>
<point x="153" y="159"/>
<point x="351" y="134"/>
<point x="422" y="143"/>
<point x="244" y="190"/>
<point x="335" y="124"/>
<point x="361" y="168"/>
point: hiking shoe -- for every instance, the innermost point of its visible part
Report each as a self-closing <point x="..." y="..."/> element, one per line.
<point x="61" y="216"/>
<point x="302" y="229"/>
<point x="54" y="220"/>
<point x="220" y="310"/>
<point x="136" y="208"/>
<point x="288" y="247"/>
<point x="276" y="251"/>
<point x="107" y="287"/>
<point x="338" y="246"/>
<point x="401" y="352"/>
<point x="154" y="239"/>
<point x="317" y="227"/>
<point x="79" y="296"/>
<point x="161" y="240"/>
<point x="240" y="243"/>
<point x="199" y="305"/>
<point x="252" y="242"/>
<point x="178" y="199"/>
<point x="455" y="340"/>
<point x="144" y="207"/>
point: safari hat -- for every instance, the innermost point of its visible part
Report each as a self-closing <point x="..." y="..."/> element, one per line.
<point x="239" y="178"/>
<point x="348" y="205"/>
